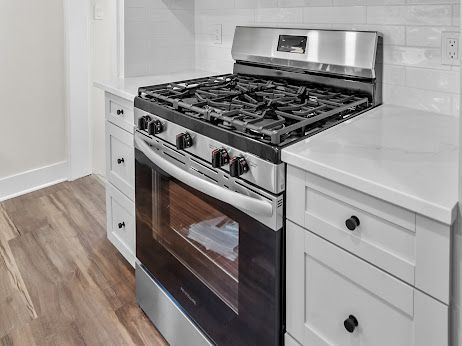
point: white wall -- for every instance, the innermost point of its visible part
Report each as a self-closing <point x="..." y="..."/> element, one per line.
<point x="32" y="88"/>
<point x="414" y="75"/>
<point x="159" y="36"/>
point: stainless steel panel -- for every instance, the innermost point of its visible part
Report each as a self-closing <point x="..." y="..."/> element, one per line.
<point x="348" y="53"/>
<point x="205" y="171"/>
<point x="267" y="175"/>
<point x="255" y="205"/>
<point x="168" y="318"/>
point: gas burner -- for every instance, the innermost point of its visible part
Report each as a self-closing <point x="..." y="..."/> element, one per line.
<point x="272" y="111"/>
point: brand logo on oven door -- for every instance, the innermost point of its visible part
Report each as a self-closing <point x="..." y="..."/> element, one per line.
<point x="191" y="299"/>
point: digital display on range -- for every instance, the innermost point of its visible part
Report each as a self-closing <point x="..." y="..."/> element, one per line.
<point x="292" y="44"/>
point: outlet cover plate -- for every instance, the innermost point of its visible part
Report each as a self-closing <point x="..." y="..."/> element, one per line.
<point x="450" y="48"/>
<point x="216" y="32"/>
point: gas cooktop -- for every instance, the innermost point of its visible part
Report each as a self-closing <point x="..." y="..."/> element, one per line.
<point x="273" y="111"/>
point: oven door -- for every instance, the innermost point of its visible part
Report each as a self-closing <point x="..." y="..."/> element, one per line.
<point x="220" y="265"/>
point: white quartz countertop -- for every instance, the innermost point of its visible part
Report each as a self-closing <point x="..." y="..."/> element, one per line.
<point x="404" y="156"/>
<point x="127" y="88"/>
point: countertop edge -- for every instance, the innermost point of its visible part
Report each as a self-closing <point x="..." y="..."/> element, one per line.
<point x="443" y="214"/>
<point x="113" y="90"/>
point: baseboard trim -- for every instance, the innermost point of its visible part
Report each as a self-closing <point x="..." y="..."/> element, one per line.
<point x="35" y="179"/>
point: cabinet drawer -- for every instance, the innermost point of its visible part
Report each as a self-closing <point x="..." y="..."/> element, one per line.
<point x="121" y="223"/>
<point x="375" y="239"/>
<point x="392" y="238"/>
<point x="329" y="289"/>
<point x="120" y="112"/>
<point x="120" y="159"/>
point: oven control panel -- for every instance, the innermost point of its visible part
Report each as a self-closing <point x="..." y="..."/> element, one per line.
<point x="236" y="163"/>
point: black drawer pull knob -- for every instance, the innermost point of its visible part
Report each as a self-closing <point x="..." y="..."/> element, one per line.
<point x="120" y="111"/>
<point x="352" y="223"/>
<point x="350" y="324"/>
<point x="120" y="161"/>
<point x="121" y="225"/>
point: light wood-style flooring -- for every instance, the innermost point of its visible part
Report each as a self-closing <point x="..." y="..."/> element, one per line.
<point x="61" y="280"/>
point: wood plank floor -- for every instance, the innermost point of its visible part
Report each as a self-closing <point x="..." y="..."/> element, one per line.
<point x="61" y="281"/>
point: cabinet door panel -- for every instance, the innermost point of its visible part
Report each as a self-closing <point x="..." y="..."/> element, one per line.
<point x="121" y="223"/>
<point x="120" y="112"/>
<point x="339" y="288"/>
<point x="120" y="164"/>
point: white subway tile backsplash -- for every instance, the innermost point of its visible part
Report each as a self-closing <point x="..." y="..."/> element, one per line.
<point x="427" y="100"/>
<point x="426" y="36"/>
<point x="135" y="13"/>
<point x="429" y="14"/>
<point x="414" y="56"/>
<point x="385" y="2"/>
<point x="413" y="73"/>
<point x="393" y="74"/>
<point x="278" y="15"/>
<point x="456" y="105"/>
<point x="256" y="3"/>
<point x="392" y="34"/>
<point x="159" y="36"/>
<point x="408" y="15"/>
<point x="456" y="15"/>
<point x="445" y="81"/>
<point x="332" y="15"/>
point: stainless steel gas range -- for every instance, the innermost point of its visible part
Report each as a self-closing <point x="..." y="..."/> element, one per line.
<point x="210" y="181"/>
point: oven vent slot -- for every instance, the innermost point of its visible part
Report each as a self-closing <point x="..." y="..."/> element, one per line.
<point x="174" y="158"/>
<point x="204" y="175"/>
<point x="203" y="166"/>
<point x="280" y="203"/>
<point x="169" y="147"/>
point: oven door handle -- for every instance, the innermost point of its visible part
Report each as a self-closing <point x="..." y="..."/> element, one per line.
<point x="235" y="199"/>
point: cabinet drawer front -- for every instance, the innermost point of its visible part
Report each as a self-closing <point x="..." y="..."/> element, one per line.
<point x="120" y="159"/>
<point x="121" y="222"/>
<point x="120" y="112"/>
<point x="390" y="237"/>
<point x="378" y="241"/>
<point x="298" y="181"/>
<point x="339" y="288"/>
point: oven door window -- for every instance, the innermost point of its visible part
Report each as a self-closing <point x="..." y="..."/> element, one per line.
<point x="202" y="238"/>
<point x="219" y="264"/>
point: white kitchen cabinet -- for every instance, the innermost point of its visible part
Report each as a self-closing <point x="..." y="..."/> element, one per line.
<point x="120" y="112"/>
<point x="120" y="163"/>
<point x="120" y="173"/>
<point x="411" y="247"/>
<point x="121" y="222"/>
<point x="328" y="287"/>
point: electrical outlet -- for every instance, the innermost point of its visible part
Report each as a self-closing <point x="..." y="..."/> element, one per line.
<point x="450" y="48"/>
<point x="216" y="31"/>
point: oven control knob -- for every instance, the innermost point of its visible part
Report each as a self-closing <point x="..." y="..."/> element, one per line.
<point x="183" y="141"/>
<point x="238" y="166"/>
<point x="143" y="122"/>
<point x="155" y="127"/>
<point x="220" y="157"/>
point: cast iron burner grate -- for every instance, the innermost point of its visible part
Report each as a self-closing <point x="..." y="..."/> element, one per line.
<point x="273" y="111"/>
